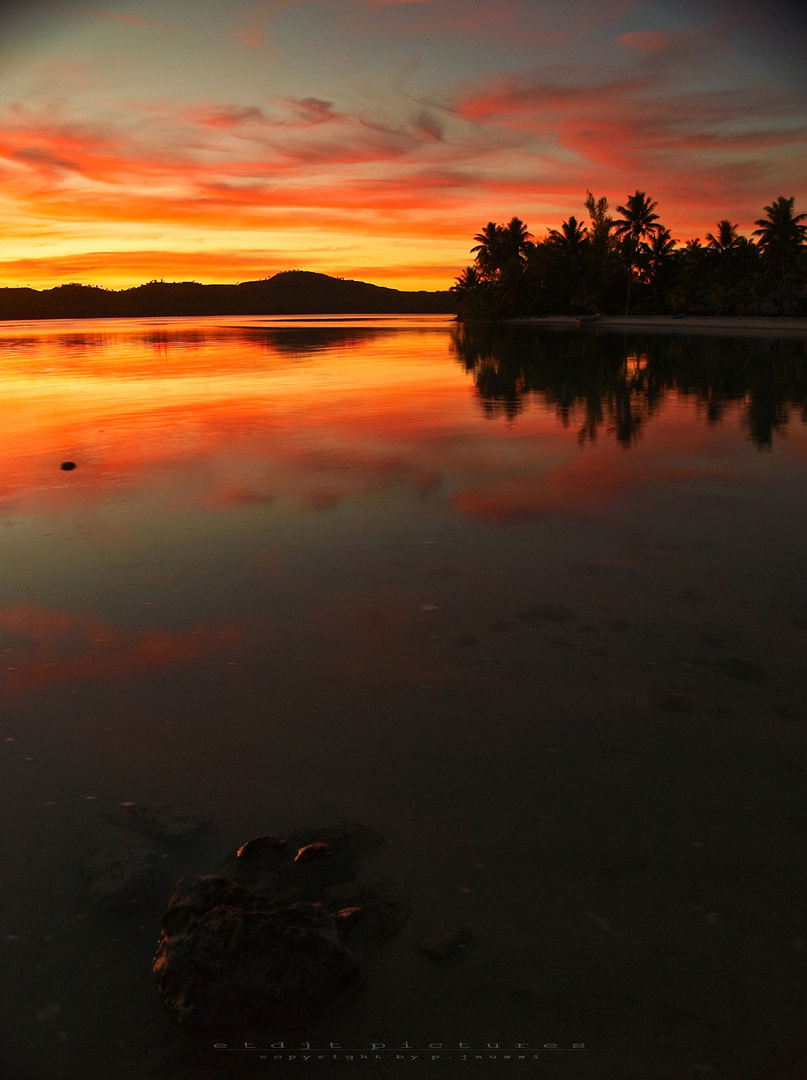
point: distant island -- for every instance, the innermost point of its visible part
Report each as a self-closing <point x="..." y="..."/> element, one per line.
<point x="292" y="292"/>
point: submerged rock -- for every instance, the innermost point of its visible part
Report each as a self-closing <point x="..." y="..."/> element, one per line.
<point x="368" y="915"/>
<point x="231" y="958"/>
<point x="123" y="877"/>
<point x="162" y="823"/>
<point x="443" y="944"/>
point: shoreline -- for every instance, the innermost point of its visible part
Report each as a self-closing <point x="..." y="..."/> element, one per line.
<point x="722" y="325"/>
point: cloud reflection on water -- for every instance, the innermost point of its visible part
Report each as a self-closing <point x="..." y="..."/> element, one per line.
<point x="51" y="646"/>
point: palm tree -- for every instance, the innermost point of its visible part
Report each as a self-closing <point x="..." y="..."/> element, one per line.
<point x="601" y="257"/>
<point x="638" y="223"/>
<point x="601" y="223"/>
<point x="502" y="250"/>
<point x="470" y="290"/>
<point x="489" y="250"/>
<point x="466" y="281"/>
<point x="659" y="251"/>
<point x="727" y="236"/>
<point x="516" y="243"/>
<point x="781" y="235"/>
<point x="656" y="258"/>
<point x="573" y="236"/>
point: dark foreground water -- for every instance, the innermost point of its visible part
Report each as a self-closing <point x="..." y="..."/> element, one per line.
<point x="532" y="606"/>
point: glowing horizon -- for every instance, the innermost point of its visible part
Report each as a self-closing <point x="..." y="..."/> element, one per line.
<point x="370" y="139"/>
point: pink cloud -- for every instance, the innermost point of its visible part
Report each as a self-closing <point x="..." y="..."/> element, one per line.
<point x="251" y="37"/>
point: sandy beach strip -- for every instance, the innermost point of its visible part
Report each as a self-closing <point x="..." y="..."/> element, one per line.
<point x="722" y="325"/>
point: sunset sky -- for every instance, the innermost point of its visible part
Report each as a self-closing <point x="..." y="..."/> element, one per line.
<point x="225" y="140"/>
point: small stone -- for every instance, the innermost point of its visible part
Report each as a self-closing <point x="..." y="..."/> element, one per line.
<point x="259" y="845"/>
<point x="312" y="851"/>
<point x="384" y="911"/>
<point x="348" y="916"/>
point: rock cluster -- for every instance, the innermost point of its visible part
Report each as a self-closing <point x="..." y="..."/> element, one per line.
<point x="271" y="947"/>
<point x="230" y="958"/>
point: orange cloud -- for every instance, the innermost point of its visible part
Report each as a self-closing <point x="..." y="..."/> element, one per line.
<point x="427" y="159"/>
<point x="695" y="152"/>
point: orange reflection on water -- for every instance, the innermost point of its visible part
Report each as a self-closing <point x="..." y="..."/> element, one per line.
<point x="679" y="449"/>
<point x="231" y="415"/>
<point x="219" y="413"/>
<point x="54" y="646"/>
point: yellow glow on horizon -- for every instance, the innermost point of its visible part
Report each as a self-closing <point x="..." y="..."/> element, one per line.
<point x="131" y="257"/>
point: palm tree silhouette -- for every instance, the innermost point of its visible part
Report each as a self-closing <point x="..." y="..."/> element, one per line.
<point x="502" y="250"/>
<point x="781" y="235"/>
<point x="656" y="258"/>
<point x="727" y="236"/>
<point x="489" y="250"/>
<point x="638" y="223"/>
<point x="516" y="244"/>
<point x="601" y="223"/>
<point x="466" y="281"/>
<point x="572" y="235"/>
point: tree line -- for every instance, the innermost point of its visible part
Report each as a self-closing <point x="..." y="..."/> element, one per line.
<point x="632" y="264"/>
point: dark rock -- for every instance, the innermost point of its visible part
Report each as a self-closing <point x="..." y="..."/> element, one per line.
<point x="442" y="945"/>
<point x="376" y="913"/>
<point x="262" y="859"/>
<point x="230" y="958"/>
<point x="259" y="846"/>
<point x="312" y="851"/>
<point x="124" y="877"/>
<point x="67" y="466"/>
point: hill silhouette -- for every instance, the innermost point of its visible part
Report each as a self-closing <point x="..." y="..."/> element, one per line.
<point x="293" y="292"/>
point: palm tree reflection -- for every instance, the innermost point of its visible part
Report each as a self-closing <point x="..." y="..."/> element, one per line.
<point x="616" y="385"/>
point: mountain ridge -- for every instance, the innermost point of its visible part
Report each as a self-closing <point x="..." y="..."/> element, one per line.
<point x="290" y="292"/>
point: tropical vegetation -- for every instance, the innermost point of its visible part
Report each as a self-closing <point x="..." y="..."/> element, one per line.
<point x="631" y="264"/>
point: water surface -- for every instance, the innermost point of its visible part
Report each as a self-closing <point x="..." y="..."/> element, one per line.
<point x="533" y="605"/>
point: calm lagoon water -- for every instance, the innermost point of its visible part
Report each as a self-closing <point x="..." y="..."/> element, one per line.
<point x="531" y="604"/>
